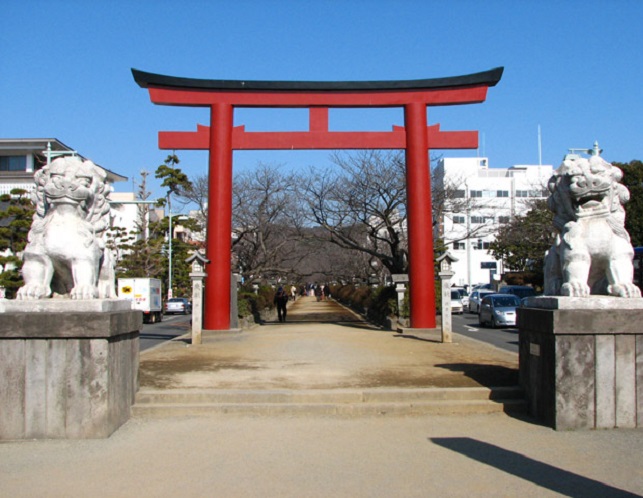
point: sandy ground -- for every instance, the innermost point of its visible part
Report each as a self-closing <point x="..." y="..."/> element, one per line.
<point x="231" y="456"/>
<point x="323" y="345"/>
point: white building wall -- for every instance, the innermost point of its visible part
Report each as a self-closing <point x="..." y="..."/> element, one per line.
<point x="489" y="197"/>
<point x="123" y="215"/>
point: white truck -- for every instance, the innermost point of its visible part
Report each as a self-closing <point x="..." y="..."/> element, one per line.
<point x="145" y="294"/>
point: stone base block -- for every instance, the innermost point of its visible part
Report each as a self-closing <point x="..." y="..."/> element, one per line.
<point x="67" y="374"/>
<point x="581" y="361"/>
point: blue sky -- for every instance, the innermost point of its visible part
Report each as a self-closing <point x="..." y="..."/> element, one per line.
<point x="574" y="68"/>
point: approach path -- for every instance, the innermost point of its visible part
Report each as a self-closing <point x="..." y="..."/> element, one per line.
<point x="323" y="345"/>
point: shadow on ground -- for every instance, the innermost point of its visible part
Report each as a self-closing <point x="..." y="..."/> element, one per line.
<point x="542" y="474"/>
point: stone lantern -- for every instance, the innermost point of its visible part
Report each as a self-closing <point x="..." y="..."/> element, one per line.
<point x="400" y="280"/>
<point x="198" y="262"/>
<point x="446" y="273"/>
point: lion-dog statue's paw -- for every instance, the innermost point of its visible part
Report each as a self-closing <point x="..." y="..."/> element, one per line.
<point x="624" y="290"/>
<point x="33" y="291"/>
<point x="575" y="289"/>
<point x="84" y="292"/>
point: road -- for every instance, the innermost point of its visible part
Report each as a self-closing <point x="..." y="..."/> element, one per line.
<point x="467" y="324"/>
<point x="172" y="326"/>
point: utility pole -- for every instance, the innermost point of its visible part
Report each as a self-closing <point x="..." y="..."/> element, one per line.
<point x="169" y="209"/>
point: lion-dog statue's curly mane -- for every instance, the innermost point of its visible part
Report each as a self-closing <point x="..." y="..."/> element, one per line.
<point x="592" y="253"/>
<point x="66" y="252"/>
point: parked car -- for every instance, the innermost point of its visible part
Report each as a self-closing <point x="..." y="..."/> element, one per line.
<point x="499" y="310"/>
<point x="178" y="305"/>
<point x="456" y="303"/>
<point x="475" y="298"/>
<point x="517" y="290"/>
<point x="464" y="297"/>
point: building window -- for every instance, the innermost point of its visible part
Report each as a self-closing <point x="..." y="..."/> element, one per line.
<point x="477" y="220"/>
<point x="459" y="194"/>
<point x="459" y="246"/>
<point x="458" y="220"/>
<point x="13" y="163"/>
<point x="488" y="193"/>
<point x="532" y="193"/>
<point x="481" y="245"/>
<point x="504" y="219"/>
<point x="502" y="193"/>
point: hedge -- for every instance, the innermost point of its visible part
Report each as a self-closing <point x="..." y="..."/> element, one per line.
<point x="251" y="303"/>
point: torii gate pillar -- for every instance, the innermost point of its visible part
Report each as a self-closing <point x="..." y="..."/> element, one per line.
<point x="222" y="137"/>
<point x="420" y="223"/>
<point x="219" y="225"/>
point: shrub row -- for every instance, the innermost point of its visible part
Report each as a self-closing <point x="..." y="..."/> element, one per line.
<point x="251" y="303"/>
<point x="376" y="303"/>
<point x="381" y="302"/>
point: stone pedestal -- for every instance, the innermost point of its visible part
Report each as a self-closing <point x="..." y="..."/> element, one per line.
<point x="68" y="369"/>
<point x="581" y="361"/>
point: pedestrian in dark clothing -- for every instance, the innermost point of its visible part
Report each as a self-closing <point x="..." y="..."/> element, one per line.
<point x="281" y="301"/>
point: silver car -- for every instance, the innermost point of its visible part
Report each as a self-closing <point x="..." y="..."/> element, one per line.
<point x="499" y="310"/>
<point x="178" y="305"/>
<point x="475" y="298"/>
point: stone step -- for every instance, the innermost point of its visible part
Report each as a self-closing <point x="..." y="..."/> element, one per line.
<point x="343" y="402"/>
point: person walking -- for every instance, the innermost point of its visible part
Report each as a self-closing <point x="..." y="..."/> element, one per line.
<point x="281" y="301"/>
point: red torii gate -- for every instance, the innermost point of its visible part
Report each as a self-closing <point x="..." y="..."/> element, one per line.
<point x="222" y="137"/>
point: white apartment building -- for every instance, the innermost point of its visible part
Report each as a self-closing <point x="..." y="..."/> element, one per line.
<point x="20" y="158"/>
<point x="472" y="200"/>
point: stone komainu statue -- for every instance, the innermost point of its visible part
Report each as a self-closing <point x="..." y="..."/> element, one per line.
<point x="66" y="251"/>
<point x="592" y="253"/>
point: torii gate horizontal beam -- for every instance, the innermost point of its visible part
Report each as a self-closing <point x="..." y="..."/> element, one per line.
<point x="306" y="140"/>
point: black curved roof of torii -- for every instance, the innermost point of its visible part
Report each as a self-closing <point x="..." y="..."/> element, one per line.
<point x="488" y="78"/>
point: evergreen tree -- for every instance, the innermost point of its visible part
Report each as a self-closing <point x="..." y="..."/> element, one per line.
<point x="177" y="184"/>
<point x="16" y="214"/>
<point x="522" y="242"/>
<point x="633" y="180"/>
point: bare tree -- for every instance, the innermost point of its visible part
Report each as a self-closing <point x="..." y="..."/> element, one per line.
<point x="196" y="195"/>
<point x="266" y="222"/>
<point x="143" y="210"/>
<point x="451" y="199"/>
<point x="362" y="205"/>
<point x="323" y="261"/>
